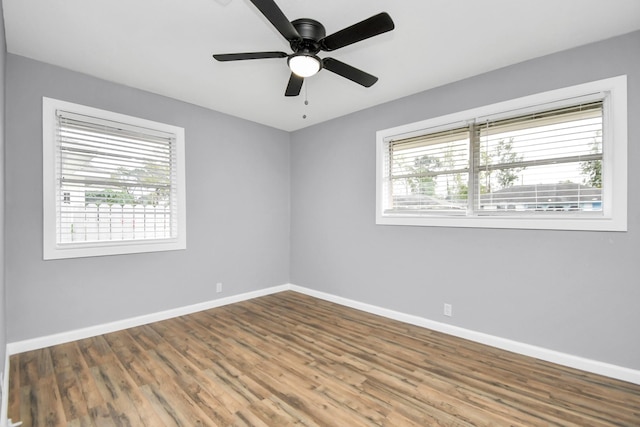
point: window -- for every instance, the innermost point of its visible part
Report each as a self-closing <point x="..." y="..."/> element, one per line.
<point x="555" y="160"/>
<point x="113" y="184"/>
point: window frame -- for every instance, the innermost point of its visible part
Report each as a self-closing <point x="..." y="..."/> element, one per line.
<point x="51" y="248"/>
<point x="614" y="163"/>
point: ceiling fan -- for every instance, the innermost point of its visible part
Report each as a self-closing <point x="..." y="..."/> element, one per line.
<point x="307" y="37"/>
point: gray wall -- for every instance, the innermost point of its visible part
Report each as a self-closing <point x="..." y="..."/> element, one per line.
<point x="3" y="329"/>
<point x="574" y="292"/>
<point x="237" y="211"/>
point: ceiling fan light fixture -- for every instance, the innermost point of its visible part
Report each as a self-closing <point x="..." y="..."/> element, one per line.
<point x="304" y="64"/>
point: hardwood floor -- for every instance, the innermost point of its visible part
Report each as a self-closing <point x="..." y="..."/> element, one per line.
<point x="289" y="359"/>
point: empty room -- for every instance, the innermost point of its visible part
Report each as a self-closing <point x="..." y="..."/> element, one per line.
<point x="320" y="213"/>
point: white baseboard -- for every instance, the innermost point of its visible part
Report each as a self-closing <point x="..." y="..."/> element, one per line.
<point x="588" y="365"/>
<point x="92" y="331"/>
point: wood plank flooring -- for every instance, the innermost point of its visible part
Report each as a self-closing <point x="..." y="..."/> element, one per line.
<point x="289" y="359"/>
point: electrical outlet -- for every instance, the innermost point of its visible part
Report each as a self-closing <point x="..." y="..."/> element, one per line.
<point x="218" y="287"/>
<point x="448" y="310"/>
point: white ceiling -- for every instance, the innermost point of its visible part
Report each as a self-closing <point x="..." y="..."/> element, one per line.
<point x="165" y="46"/>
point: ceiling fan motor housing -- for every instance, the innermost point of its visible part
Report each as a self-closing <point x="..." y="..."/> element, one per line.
<point x="311" y="32"/>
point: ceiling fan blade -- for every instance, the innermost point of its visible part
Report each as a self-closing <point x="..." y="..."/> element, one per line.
<point x="249" y="55"/>
<point x="377" y="24"/>
<point x="272" y="12"/>
<point x="294" y="86"/>
<point x="349" y="72"/>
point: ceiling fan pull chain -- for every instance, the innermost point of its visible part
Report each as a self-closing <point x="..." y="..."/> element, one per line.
<point x="306" y="94"/>
<point x="306" y="100"/>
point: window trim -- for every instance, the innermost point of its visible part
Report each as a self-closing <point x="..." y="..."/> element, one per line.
<point x="53" y="250"/>
<point x="614" y="163"/>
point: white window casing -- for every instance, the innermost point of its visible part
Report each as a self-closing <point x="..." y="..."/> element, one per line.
<point x="495" y="166"/>
<point x="112" y="184"/>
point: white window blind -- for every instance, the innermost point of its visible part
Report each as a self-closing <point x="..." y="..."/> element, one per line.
<point x="549" y="161"/>
<point x="429" y="172"/>
<point x="553" y="156"/>
<point x="115" y="183"/>
<point x="118" y="179"/>
<point x="543" y="162"/>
